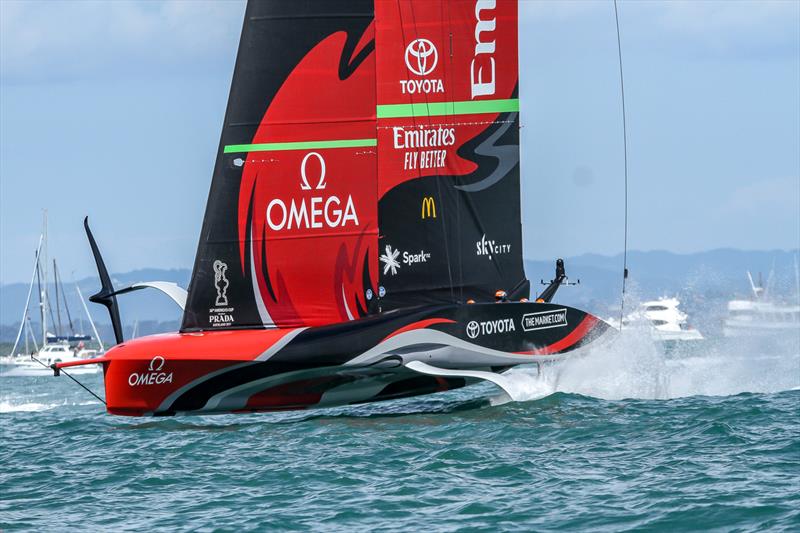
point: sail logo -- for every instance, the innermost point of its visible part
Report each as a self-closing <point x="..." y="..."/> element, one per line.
<point x="425" y="147"/>
<point x="544" y="320"/>
<point x="412" y="259"/>
<point x="489" y="248"/>
<point x="489" y="327"/>
<point x="428" y="208"/>
<point x="220" y="314"/>
<point x="221" y="283"/>
<point x="153" y="376"/>
<point x="314" y="212"/>
<point x="421" y="58"/>
<point x="391" y="259"/>
<point x="483" y="82"/>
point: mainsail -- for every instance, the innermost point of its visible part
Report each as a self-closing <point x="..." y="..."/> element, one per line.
<point x="369" y="161"/>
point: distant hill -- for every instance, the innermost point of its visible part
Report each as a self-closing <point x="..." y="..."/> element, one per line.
<point x="154" y="311"/>
<point x="704" y="281"/>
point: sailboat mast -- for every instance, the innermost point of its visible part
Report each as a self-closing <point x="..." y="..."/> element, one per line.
<point x="58" y="300"/>
<point x="32" y="336"/>
<point x="23" y="325"/>
<point x="43" y="286"/>
<point x="91" y="322"/>
<point x="28" y="299"/>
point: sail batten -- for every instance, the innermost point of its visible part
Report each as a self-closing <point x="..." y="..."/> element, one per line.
<point x="464" y="107"/>
<point x="300" y="145"/>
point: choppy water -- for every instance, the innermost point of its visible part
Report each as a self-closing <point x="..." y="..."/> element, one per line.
<point x="625" y="438"/>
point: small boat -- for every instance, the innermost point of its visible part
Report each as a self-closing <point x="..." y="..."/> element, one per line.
<point x="666" y="322"/>
<point x="63" y="346"/>
<point x="761" y="315"/>
<point x="50" y="354"/>
<point x="362" y="238"/>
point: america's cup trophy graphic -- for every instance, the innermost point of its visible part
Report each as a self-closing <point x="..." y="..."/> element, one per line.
<point x="221" y="283"/>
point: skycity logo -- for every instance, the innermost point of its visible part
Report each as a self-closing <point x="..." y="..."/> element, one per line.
<point x="316" y="212"/>
<point x="421" y="59"/>
<point x="490" y="247"/>
<point x="153" y="376"/>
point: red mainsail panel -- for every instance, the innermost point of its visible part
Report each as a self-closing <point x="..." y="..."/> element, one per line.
<point x="445" y="71"/>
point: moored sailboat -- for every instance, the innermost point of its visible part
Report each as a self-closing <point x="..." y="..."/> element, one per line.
<point x="362" y="238"/>
<point x="66" y="344"/>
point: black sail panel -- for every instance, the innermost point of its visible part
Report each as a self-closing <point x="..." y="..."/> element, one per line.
<point x="291" y="222"/>
<point x="448" y="152"/>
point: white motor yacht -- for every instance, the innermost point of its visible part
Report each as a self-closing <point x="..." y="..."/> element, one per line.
<point x="22" y="365"/>
<point x="666" y="321"/>
<point x="761" y="315"/>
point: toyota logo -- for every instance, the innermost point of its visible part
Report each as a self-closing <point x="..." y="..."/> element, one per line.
<point x="421" y="57"/>
<point x="156" y="364"/>
<point x="472" y="329"/>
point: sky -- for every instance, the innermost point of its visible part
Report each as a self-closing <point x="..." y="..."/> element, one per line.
<point x="114" y="110"/>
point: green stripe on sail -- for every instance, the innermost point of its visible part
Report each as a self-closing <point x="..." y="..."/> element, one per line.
<point x="299" y="145"/>
<point x="469" y="107"/>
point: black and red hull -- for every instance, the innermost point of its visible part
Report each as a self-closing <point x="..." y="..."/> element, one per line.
<point x="350" y="363"/>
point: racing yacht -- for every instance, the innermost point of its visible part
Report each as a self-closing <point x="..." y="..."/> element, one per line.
<point x="362" y="239"/>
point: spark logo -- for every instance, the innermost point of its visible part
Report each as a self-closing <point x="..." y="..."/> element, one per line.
<point x="389" y="260"/>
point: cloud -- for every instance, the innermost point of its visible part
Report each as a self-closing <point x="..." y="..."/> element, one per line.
<point x="774" y="197"/>
<point x="50" y="40"/>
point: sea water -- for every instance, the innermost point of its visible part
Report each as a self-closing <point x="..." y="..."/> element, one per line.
<point x="702" y="437"/>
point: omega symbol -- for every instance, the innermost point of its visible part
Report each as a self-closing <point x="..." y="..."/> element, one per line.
<point x="156" y="364"/>
<point x="304" y="178"/>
